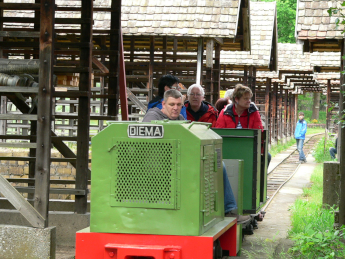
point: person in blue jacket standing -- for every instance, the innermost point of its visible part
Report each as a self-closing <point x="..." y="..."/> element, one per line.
<point x="166" y="83"/>
<point x="301" y="129"/>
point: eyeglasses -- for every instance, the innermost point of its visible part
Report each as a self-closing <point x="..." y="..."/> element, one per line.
<point x="196" y="95"/>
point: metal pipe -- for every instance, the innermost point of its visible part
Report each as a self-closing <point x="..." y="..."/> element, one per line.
<point x="19" y="66"/>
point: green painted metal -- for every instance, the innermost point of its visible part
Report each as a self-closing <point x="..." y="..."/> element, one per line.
<point x="146" y="183"/>
<point x="245" y="144"/>
<point x="235" y="172"/>
<point x="264" y="167"/>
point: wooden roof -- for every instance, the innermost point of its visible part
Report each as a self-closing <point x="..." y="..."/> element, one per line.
<point x="263" y="21"/>
<point x="293" y="61"/>
<point x="225" y="20"/>
<point x="313" y="23"/>
<point x="196" y="18"/>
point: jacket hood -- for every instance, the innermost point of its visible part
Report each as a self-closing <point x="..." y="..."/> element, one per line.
<point x="229" y="109"/>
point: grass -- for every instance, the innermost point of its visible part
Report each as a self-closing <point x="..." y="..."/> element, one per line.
<point x="311" y="131"/>
<point x="321" y="152"/>
<point x="279" y="147"/>
<point x="312" y="224"/>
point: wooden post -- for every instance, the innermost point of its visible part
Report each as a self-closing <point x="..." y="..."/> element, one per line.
<point x="274" y="112"/>
<point x="245" y="76"/>
<point x="115" y="27"/>
<point x="44" y="110"/>
<point x="291" y="132"/>
<point x="285" y="114"/>
<point x="209" y="70"/>
<point x="331" y="184"/>
<point x="152" y="55"/>
<point x="123" y="84"/>
<point x="280" y="123"/>
<point x="84" y="108"/>
<point x="267" y="106"/>
<point x="328" y="100"/>
<point x="216" y="74"/>
<point x="200" y="58"/>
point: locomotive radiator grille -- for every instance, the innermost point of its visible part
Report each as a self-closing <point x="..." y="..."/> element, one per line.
<point x="144" y="174"/>
<point x="209" y="181"/>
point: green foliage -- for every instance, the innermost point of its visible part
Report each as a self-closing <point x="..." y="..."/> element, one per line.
<point x="315" y="244"/>
<point x="312" y="225"/>
<point x="286" y="20"/>
<point x="307" y="116"/>
<point x="321" y="152"/>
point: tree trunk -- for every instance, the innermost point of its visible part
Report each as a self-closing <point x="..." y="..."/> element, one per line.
<point x="316" y="106"/>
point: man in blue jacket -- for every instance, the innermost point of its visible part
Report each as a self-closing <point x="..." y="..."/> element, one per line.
<point x="301" y="129"/>
<point x="166" y="83"/>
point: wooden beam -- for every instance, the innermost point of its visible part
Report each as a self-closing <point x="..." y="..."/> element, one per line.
<point x="10" y="116"/>
<point x="209" y="53"/>
<point x="115" y="27"/>
<point x="18" y="89"/>
<point x="220" y="41"/>
<point x="22" y="205"/>
<point x="246" y="29"/>
<point x="44" y="109"/>
<point x="84" y="108"/>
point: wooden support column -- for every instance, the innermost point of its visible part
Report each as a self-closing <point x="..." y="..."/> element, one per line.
<point x="252" y="81"/>
<point x="102" y="85"/>
<point x="152" y="55"/>
<point x="268" y="125"/>
<point x="280" y="122"/>
<point x="245" y="76"/>
<point x="164" y="57"/>
<point x="285" y="114"/>
<point x="328" y="101"/>
<point x="294" y="113"/>
<point x="123" y="83"/>
<point x="200" y="59"/>
<point x="84" y="107"/>
<point x="274" y="112"/>
<point x="291" y="121"/>
<point x="209" y="71"/>
<point x="216" y="74"/>
<point x="113" y="84"/>
<point x="44" y="110"/>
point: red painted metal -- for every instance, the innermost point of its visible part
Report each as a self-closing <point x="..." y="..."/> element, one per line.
<point x="123" y="83"/>
<point x="129" y="246"/>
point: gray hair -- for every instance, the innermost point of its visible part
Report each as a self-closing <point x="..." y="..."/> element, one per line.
<point x="197" y="86"/>
<point x="172" y="93"/>
<point x="228" y="94"/>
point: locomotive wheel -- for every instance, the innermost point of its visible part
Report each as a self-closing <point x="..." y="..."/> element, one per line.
<point x="217" y="250"/>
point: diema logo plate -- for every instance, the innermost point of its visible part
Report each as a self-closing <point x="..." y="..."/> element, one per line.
<point x="145" y="131"/>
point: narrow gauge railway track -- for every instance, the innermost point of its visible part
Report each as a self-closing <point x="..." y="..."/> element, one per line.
<point x="286" y="169"/>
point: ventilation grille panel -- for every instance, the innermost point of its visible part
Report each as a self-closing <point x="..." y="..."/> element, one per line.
<point x="144" y="174"/>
